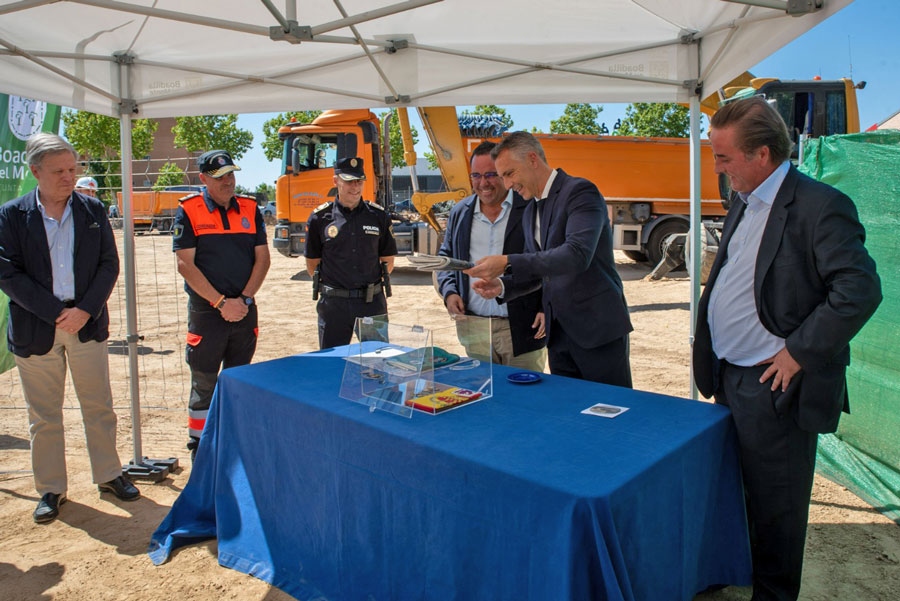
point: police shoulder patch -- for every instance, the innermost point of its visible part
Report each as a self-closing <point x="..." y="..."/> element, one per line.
<point x="375" y="205"/>
<point x="322" y="206"/>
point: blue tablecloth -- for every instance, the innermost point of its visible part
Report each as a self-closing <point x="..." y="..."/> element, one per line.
<point x="517" y="497"/>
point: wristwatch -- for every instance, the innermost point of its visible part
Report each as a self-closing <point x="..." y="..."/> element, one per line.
<point x="248" y="300"/>
<point x="508" y="269"/>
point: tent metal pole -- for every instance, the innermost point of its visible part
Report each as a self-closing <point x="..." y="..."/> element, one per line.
<point x="368" y="52"/>
<point x="696" y="226"/>
<point x="139" y="467"/>
<point x="370" y="15"/>
<point x="130" y="284"/>
<point x="290" y="10"/>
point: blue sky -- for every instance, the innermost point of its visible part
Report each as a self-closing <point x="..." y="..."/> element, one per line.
<point x="862" y="41"/>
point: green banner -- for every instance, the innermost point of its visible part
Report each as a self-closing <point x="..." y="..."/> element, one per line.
<point x="20" y="118"/>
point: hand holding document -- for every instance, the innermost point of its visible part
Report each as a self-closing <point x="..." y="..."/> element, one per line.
<point x="438" y="263"/>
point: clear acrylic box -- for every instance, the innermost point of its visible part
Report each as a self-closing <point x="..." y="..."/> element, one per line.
<point x="400" y="368"/>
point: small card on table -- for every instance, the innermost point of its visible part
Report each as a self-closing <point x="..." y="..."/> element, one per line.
<point x="604" y="410"/>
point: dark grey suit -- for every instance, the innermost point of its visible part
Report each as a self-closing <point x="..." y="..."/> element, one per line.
<point x="587" y="320"/>
<point x="815" y="286"/>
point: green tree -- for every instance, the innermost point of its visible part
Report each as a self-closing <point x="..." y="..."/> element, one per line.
<point x="656" y="119"/>
<point x="492" y="109"/>
<point x="170" y="174"/>
<point x="578" y="119"/>
<point x="242" y="190"/>
<point x="212" y="132"/>
<point x="96" y="137"/>
<point x="271" y="145"/>
<point x="266" y="191"/>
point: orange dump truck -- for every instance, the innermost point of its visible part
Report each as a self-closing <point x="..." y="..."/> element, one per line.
<point x="153" y="210"/>
<point x="644" y="180"/>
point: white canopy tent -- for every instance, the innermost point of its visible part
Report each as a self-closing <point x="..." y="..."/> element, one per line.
<point x="161" y="58"/>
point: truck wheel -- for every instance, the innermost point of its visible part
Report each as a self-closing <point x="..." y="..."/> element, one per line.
<point x="636" y="255"/>
<point x="658" y="237"/>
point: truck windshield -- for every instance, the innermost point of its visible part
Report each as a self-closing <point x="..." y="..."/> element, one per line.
<point x="315" y="152"/>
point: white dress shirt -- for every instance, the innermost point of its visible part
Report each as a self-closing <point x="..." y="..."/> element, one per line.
<point x="537" y="208"/>
<point x="487" y="239"/>
<point x="737" y="334"/>
<point x="61" y="242"/>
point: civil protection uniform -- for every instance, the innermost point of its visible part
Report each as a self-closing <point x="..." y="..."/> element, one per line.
<point x="225" y="243"/>
<point x="349" y="243"/>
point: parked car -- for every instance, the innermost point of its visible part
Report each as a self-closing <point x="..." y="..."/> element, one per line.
<point x="268" y="212"/>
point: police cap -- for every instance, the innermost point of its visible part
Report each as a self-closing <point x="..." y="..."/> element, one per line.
<point x="216" y="163"/>
<point x="350" y="169"/>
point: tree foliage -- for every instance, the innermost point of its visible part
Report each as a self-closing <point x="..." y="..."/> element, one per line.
<point x="96" y="137"/>
<point x="656" y="119"/>
<point x="578" y="119"/>
<point x="266" y="191"/>
<point x="170" y="174"/>
<point x="212" y="132"/>
<point x="271" y="145"/>
<point x="492" y="109"/>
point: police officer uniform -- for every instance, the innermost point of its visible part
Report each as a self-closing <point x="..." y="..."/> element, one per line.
<point x="225" y="242"/>
<point x="349" y="244"/>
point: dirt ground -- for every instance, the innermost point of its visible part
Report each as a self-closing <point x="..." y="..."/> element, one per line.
<point x="96" y="549"/>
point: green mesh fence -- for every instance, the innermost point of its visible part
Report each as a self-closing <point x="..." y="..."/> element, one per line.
<point x="864" y="454"/>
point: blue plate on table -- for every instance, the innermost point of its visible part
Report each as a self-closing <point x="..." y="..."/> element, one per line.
<point x="524" y="377"/>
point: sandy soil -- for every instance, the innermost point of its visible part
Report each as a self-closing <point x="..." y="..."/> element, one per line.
<point x="96" y="549"/>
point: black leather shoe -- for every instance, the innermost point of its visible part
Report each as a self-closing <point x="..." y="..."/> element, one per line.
<point x="121" y="487"/>
<point x="48" y="507"/>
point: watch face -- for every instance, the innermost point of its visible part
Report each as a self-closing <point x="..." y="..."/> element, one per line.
<point x="248" y="300"/>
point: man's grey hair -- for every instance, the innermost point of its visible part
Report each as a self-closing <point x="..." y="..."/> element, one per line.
<point x="42" y="144"/>
<point x="519" y="143"/>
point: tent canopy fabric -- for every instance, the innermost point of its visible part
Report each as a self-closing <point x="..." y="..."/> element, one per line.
<point x="234" y="56"/>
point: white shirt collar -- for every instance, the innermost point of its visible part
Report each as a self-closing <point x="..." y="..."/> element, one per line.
<point x="766" y="191"/>
<point x="507" y="202"/>
<point x="547" y="186"/>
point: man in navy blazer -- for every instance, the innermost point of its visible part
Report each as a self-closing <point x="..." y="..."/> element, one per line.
<point x="58" y="265"/>
<point x="568" y="254"/>
<point x="791" y="285"/>
<point x="491" y="221"/>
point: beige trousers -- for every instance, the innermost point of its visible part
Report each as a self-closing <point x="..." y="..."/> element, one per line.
<point x="501" y="346"/>
<point x="43" y="382"/>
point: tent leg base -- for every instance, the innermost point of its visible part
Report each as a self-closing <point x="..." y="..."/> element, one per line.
<point x="153" y="470"/>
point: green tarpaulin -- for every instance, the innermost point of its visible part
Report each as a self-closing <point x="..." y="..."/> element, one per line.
<point x="864" y="454"/>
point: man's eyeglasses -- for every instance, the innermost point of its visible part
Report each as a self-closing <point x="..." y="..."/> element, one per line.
<point x="488" y="176"/>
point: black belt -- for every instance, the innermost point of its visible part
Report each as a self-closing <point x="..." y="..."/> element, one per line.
<point x="366" y="292"/>
<point x="69" y="304"/>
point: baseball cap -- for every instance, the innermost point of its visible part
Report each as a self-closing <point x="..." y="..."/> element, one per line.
<point x="87" y="182"/>
<point x="216" y="163"/>
<point x="350" y="169"/>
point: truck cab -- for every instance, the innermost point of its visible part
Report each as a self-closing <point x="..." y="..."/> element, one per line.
<point x="306" y="179"/>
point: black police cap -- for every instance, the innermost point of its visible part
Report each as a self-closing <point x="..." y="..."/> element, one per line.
<point x="350" y="169"/>
<point x="216" y="163"/>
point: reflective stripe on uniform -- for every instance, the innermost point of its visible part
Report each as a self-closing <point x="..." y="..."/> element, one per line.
<point x="196" y="421"/>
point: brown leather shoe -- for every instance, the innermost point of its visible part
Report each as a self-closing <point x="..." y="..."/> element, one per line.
<point x="48" y="507"/>
<point x="121" y="487"/>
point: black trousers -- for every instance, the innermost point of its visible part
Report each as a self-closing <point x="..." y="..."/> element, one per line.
<point x="337" y="316"/>
<point x="212" y="344"/>
<point x="778" y="461"/>
<point x="607" y="364"/>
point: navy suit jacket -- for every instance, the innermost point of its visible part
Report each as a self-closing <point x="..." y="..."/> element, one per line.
<point x="456" y="243"/>
<point x="27" y="278"/>
<point x="582" y="291"/>
<point x="815" y="285"/>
